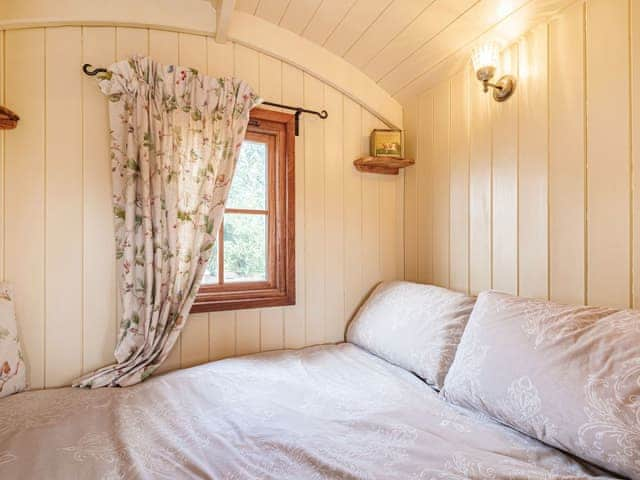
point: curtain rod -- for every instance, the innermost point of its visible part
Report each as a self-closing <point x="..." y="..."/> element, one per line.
<point x="88" y="69"/>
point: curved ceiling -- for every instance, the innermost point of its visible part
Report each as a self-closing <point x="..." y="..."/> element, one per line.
<point x="404" y="45"/>
<point x="199" y="17"/>
<point x="381" y="53"/>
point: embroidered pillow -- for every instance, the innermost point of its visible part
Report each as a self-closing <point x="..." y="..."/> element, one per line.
<point x="414" y="326"/>
<point x="566" y="375"/>
<point x="12" y="367"/>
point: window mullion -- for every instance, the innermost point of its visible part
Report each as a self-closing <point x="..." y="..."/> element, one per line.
<point x="240" y="211"/>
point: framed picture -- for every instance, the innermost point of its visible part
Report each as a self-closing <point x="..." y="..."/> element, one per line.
<point x="387" y="143"/>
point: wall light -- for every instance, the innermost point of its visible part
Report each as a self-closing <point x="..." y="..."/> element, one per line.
<point x="485" y="59"/>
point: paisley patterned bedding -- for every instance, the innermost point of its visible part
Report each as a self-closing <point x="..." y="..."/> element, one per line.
<point x="317" y="413"/>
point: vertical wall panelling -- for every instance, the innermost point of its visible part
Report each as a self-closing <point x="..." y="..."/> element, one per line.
<point x="391" y="225"/>
<point x="247" y="332"/>
<point x="194" y="340"/>
<point x="425" y="190"/>
<point x="410" y="194"/>
<point x="315" y="252"/>
<point x="294" y="317"/>
<point x="2" y="134"/>
<point x="99" y="303"/>
<point x="24" y="191"/>
<point x="441" y="184"/>
<point x="63" y="202"/>
<point x="480" y="194"/>
<point x="222" y="335"/>
<point x="57" y="241"/>
<point x="608" y="153"/>
<point x="352" y="184"/>
<point x="271" y="319"/>
<point x="247" y="67"/>
<point x="567" y="169"/>
<point x="131" y="41"/>
<point x="554" y="208"/>
<point x="505" y="183"/>
<point x="459" y="194"/>
<point x="192" y="52"/>
<point x="164" y="47"/>
<point x="635" y="142"/>
<point x="334" y="217"/>
<point x="271" y="328"/>
<point x="220" y="60"/>
<point x="533" y="165"/>
<point x="370" y="213"/>
<point x="270" y="83"/>
<point x="395" y="229"/>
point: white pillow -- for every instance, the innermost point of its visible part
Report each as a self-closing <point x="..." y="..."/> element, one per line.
<point x="12" y="367"/>
<point x="417" y="327"/>
<point x="566" y="375"/>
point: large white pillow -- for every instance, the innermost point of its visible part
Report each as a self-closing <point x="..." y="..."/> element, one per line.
<point x="417" y="327"/>
<point x="566" y="375"/>
<point x="12" y="367"/>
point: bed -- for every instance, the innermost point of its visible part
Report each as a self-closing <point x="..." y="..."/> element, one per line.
<point x="321" y="412"/>
<point x="431" y="385"/>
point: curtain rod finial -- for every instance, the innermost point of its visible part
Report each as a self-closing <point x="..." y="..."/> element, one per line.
<point x="88" y="69"/>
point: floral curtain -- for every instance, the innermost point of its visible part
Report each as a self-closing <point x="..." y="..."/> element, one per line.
<point x="175" y="140"/>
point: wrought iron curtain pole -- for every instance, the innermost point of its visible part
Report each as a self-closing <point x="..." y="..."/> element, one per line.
<point x="323" y="114"/>
<point x="88" y="69"/>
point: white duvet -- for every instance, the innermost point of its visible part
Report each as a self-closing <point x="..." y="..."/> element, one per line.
<point x="317" y="413"/>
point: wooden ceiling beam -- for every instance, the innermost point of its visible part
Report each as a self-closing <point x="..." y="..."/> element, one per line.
<point x="224" y="12"/>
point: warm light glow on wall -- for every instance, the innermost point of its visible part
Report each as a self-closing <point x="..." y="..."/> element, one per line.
<point x="504" y="9"/>
<point x="485" y="55"/>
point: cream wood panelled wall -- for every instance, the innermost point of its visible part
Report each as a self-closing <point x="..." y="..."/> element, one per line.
<point x="57" y="239"/>
<point x="540" y="195"/>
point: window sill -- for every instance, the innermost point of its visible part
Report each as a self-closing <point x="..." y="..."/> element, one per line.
<point x="218" y="301"/>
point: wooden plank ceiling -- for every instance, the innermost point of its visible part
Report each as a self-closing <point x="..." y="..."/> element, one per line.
<point x="406" y="46"/>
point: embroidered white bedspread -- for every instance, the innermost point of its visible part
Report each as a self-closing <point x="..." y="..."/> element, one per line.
<point x="317" y="413"/>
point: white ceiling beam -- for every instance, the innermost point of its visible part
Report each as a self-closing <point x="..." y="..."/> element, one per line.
<point x="224" y="11"/>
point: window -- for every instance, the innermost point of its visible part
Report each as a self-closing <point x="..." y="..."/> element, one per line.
<point x="253" y="262"/>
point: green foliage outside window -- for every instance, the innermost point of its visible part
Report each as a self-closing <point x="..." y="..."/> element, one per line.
<point x="245" y="239"/>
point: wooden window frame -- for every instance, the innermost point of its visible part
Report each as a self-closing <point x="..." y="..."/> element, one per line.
<point x="279" y="288"/>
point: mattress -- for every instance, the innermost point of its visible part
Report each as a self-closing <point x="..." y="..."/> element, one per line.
<point x="317" y="413"/>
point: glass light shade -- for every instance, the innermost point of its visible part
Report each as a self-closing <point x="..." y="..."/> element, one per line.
<point x="486" y="57"/>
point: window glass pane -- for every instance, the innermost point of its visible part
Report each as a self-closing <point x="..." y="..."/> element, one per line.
<point x="245" y="248"/>
<point x="249" y="185"/>
<point x="211" y="272"/>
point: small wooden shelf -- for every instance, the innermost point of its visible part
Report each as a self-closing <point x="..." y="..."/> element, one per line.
<point x="384" y="165"/>
<point x="8" y="119"/>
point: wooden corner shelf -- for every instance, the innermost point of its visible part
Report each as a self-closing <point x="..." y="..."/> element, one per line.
<point x="8" y="119"/>
<point x="384" y="165"/>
